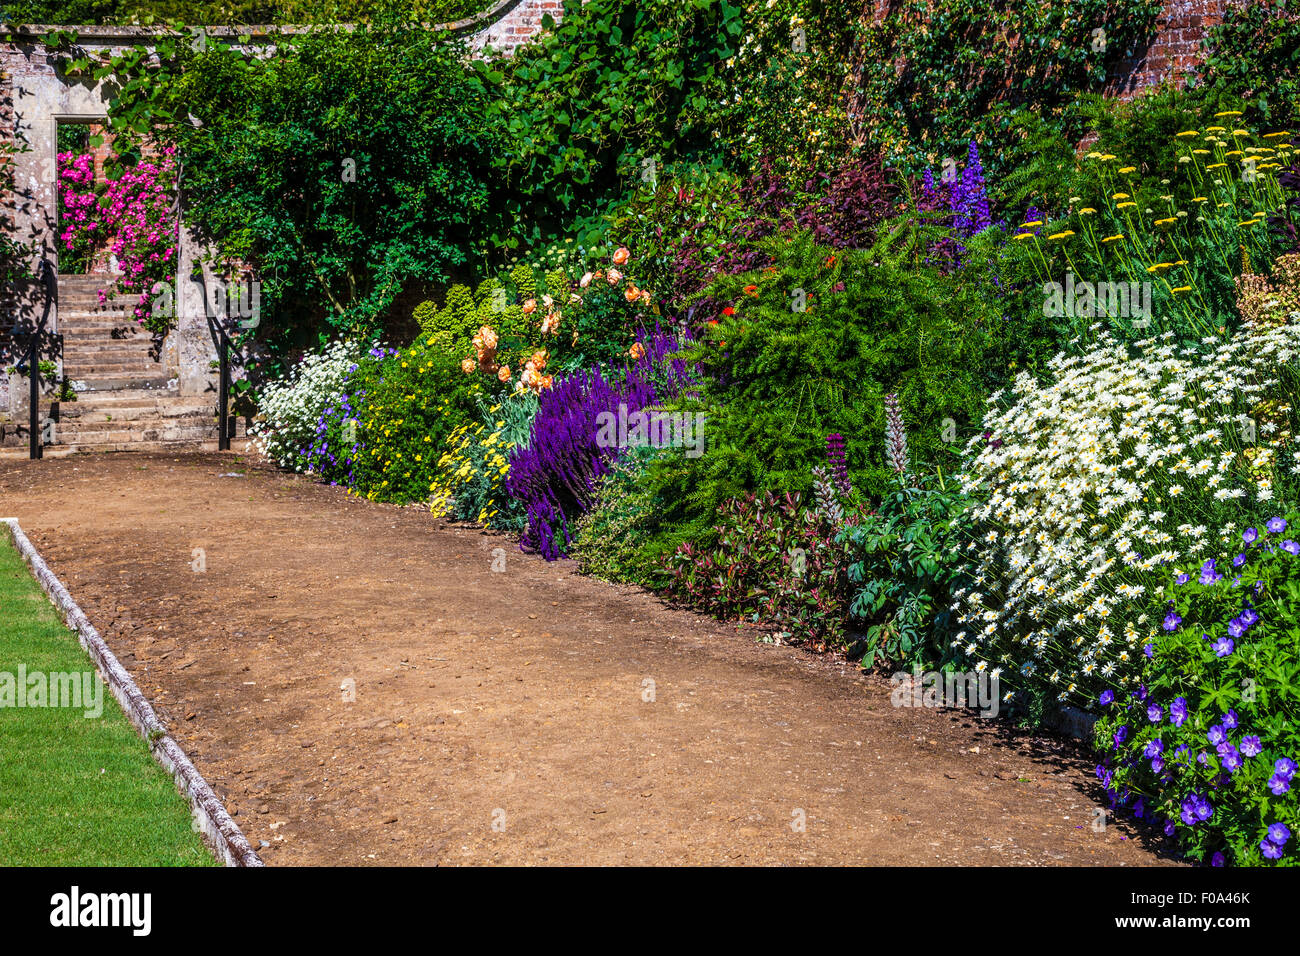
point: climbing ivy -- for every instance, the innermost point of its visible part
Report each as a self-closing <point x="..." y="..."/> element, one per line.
<point x="935" y="76"/>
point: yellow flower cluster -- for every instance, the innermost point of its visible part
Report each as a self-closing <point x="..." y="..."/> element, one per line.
<point x="474" y="456"/>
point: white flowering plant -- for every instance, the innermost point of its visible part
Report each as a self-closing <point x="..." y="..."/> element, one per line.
<point x="1125" y="468"/>
<point x="291" y="409"/>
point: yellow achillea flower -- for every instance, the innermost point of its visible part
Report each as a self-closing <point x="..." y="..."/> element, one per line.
<point x="1023" y="235"/>
<point x="1199" y="199"/>
<point x="1120" y="196"/>
<point x="1087" y="211"/>
<point x="1114" y="238"/>
<point x="1216" y="165"/>
<point x="1030" y="225"/>
<point x="1201" y="152"/>
<point x="1248" y="222"/>
<point x="1165" y="222"/>
<point x="1228" y="113"/>
<point x="1061" y="235"/>
<point x="1188" y="132"/>
<point x="1159" y="266"/>
<point x="1275" y="135"/>
<point x="1128" y="169"/>
<point x="1181" y="288"/>
<point x="1126" y="205"/>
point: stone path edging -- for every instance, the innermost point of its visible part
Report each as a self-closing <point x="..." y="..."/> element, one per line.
<point x="220" y="831"/>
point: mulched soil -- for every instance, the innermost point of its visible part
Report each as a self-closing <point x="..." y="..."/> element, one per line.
<point x="501" y="717"/>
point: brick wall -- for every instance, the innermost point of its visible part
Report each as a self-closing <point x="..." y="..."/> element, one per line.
<point x="1175" y="51"/>
<point x="514" y="22"/>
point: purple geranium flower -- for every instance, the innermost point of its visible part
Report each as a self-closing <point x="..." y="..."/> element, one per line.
<point x="1285" y="767"/>
<point x="1270" y="850"/>
<point x="1230" y="759"/>
<point x="1149" y="650"/>
<point x="1155" y="713"/>
<point x="1279" y="785"/>
<point x="1279" y="833"/>
<point x="1250" y="536"/>
<point x="1290" y="547"/>
<point x="1239" y="560"/>
<point x="1157" y="764"/>
<point x="1250" y="746"/>
<point x="1169" y="828"/>
<point x="1249" y="617"/>
<point x="1216" y="735"/>
<point x="1178" y="711"/>
<point x="1208" y="574"/>
<point x="1106" y="697"/>
<point x="1230" y="720"/>
<point x="1217" y="859"/>
<point x="1182" y="578"/>
<point x="1223" y="647"/>
<point x="1172" y="620"/>
<point x="1275" y="525"/>
<point x="1154" y="747"/>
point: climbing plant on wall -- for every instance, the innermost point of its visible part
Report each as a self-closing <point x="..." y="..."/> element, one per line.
<point x="936" y="75"/>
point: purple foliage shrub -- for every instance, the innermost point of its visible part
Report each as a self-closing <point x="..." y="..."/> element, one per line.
<point x="842" y="208"/>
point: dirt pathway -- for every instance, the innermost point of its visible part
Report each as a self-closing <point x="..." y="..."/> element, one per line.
<point x="502" y="717"/>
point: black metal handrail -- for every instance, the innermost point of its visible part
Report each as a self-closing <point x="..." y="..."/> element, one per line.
<point x="48" y="277"/>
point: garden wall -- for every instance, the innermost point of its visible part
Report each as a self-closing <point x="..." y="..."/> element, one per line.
<point x="1175" y="50"/>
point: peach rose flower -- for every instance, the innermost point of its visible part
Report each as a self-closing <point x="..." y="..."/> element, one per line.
<point x="621" y="255"/>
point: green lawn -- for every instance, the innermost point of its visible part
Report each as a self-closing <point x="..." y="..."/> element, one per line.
<point x="75" y="791"/>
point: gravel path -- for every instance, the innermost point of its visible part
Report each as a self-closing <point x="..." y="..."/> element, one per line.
<point x="527" y="716"/>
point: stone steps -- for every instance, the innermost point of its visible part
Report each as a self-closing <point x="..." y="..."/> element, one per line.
<point x="126" y="398"/>
<point x="118" y="381"/>
<point x="63" y="451"/>
<point x="90" y="415"/>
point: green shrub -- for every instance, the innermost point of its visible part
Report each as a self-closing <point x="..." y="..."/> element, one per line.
<point x="351" y="165"/>
<point x="778" y="380"/>
<point x="609" y="539"/>
<point x="410" y="403"/>
<point x="614" y="85"/>
<point x="905" y="561"/>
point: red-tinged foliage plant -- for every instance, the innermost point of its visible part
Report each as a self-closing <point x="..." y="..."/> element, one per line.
<point x="776" y="560"/>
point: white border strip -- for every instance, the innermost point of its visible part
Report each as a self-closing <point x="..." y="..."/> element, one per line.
<point x="221" y="832"/>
